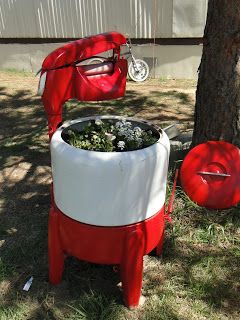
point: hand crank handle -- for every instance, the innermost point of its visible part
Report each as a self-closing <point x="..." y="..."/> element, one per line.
<point x="214" y="174"/>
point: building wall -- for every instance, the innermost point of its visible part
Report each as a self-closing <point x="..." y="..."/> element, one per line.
<point x="79" y="18"/>
<point x="168" y="61"/>
<point x="26" y="24"/>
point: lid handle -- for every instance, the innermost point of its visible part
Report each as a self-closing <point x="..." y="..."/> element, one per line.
<point x="214" y="174"/>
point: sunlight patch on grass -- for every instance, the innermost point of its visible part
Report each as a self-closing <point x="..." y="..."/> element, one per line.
<point x="22" y="73"/>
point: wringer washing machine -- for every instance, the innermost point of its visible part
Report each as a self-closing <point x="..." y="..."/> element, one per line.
<point x="128" y="220"/>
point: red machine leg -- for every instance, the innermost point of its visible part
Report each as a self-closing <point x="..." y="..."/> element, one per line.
<point x="123" y="245"/>
<point x="55" y="253"/>
<point x="132" y="267"/>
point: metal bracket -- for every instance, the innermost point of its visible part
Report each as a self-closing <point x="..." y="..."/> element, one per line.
<point x="214" y="174"/>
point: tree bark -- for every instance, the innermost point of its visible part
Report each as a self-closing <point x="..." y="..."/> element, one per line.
<point x="217" y="108"/>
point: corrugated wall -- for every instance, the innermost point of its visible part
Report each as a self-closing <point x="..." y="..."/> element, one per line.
<point x="80" y="18"/>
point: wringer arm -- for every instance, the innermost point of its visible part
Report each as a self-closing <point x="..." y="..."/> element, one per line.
<point x="62" y="79"/>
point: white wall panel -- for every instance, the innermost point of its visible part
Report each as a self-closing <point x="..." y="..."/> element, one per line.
<point x="164" y="18"/>
<point x="189" y="18"/>
<point x="80" y="18"/>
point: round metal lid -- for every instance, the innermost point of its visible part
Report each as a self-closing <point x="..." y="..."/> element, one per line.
<point x="210" y="175"/>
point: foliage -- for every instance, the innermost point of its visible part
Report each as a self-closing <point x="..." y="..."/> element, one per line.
<point x="109" y="136"/>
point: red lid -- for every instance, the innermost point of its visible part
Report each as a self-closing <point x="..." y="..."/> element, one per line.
<point x="210" y="175"/>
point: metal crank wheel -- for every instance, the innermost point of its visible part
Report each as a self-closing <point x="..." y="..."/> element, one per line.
<point x="138" y="72"/>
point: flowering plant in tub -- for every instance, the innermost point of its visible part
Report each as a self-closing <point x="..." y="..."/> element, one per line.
<point x="109" y="171"/>
<point x="108" y="136"/>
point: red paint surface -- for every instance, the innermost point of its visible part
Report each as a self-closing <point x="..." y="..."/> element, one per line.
<point x="82" y="49"/>
<point x="65" y="80"/>
<point x="124" y="246"/>
<point x="213" y="192"/>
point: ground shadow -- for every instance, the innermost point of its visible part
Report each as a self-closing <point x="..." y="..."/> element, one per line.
<point x="25" y="201"/>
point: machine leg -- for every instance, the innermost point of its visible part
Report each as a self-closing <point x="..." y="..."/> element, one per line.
<point x="131" y="268"/>
<point x="55" y="253"/>
<point x="160" y="245"/>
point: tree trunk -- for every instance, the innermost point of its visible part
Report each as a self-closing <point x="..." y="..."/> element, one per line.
<point x="217" y="109"/>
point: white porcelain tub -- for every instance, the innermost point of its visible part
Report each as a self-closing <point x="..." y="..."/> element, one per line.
<point x="109" y="188"/>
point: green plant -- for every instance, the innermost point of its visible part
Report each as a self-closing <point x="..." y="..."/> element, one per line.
<point x="109" y="136"/>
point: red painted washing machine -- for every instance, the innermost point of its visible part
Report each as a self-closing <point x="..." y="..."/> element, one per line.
<point x="111" y="209"/>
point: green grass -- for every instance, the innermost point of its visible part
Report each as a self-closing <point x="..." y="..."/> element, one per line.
<point x="96" y="306"/>
<point x="22" y="73"/>
<point x="5" y="270"/>
<point x="197" y="276"/>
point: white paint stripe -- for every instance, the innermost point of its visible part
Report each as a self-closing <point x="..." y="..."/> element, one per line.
<point x="40" y="23"/>
<point x="54" y="18"/>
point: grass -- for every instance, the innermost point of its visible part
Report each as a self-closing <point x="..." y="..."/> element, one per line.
<point x="197" y="276"/>
<point x="17" y="72"/>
